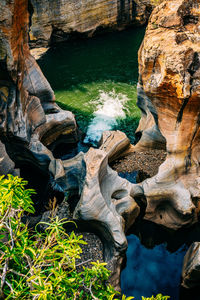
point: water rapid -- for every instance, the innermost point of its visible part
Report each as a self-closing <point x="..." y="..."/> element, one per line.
<point x="110" y="107"/>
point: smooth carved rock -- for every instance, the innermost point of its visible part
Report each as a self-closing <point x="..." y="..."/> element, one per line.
<point x="69" y="174"/>
<point x="115" y="143"/>
<point x="106" y="202"/>
<point x="169" y="80"/>
<point x="30" y="120"/>
<point x="168" y="204"/>
<point x="191" y="267"/>
<point x="147" y="133"/>
<point x="56" y="20"/>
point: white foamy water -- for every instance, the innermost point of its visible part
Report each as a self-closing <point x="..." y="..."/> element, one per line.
<point x="110" y="106"/>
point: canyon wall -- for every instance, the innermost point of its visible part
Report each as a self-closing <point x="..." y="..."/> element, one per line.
<point x="58" y="20"/>
<point x="169" y="96"/>
<point x="32" y="126"/>
<point x="30" y="120"/>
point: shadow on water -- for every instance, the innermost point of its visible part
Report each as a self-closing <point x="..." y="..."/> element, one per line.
<point x="154" y="260"/>
<point x="109" y="57"/>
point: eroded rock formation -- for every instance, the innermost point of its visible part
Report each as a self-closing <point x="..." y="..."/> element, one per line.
<point x="169" y="83"/>
<point x="57" y="20"/>
<point x="169" y="97"/>
<point x="191" y="266"/>
<point x="30" y="119"/>
<point x="32" y="126"/>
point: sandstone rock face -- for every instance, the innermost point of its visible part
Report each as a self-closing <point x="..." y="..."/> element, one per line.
<point x="30" y="120"/>
<point x="57" y="20"/>
<point x="114" y="143"/>
<point x="169" y="79"/>
<point x="32" y="126"/>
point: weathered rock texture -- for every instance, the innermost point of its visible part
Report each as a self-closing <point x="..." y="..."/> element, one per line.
<point x="32" y="126"/>
<point x="169" y="95"/>
<point x="30" y="120"/>
<point x="57" y="20"/>
<point x="107" y="201"/>
<point x="191" y="266"/>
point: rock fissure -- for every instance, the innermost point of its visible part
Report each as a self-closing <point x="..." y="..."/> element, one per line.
<point x="32" y="124"/>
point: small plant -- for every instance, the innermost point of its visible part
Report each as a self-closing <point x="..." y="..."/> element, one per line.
<point x="158" y="297"/>
<point x="44" y="265"/>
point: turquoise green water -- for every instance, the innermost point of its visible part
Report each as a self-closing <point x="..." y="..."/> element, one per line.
<point x="80" y="71"/>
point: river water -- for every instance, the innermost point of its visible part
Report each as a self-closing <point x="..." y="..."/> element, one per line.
<point x="96" y="80"/>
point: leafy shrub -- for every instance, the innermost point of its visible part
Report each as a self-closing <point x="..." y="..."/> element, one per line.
<point x="158" y="297"/>
<point x="44" y="265"/>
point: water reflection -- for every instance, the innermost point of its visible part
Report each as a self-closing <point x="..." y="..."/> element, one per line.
<point x="151" y="271"/>
<point x="154" y="261"/>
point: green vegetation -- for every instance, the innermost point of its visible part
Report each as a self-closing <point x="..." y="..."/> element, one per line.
<point x="158" y="297"/>
<point x="43" y="265"/>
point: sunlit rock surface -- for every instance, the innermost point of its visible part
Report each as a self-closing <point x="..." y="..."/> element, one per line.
<point x="32" y="126"/>
<point x="106" y="201"/>
<point x="30" y="120"/>
<point x="114" y="143"/>
<point x="56" y="20"/>
<point x="169" y="78"/>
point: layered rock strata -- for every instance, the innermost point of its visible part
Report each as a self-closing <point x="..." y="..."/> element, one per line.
<point x="30" y="120"/>
<point x="32" y="126"/>
<point x="169" y="95"/>
<point x="53" y="21"/>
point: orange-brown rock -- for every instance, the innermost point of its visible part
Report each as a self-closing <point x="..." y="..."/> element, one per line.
<point x="169" y="78"/>
<point x="30" y="120"/>
<point x="56" y="20"/>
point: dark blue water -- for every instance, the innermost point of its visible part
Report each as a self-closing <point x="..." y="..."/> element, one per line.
<point x="130" y="176"/>
<point x="151" y="271"/>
